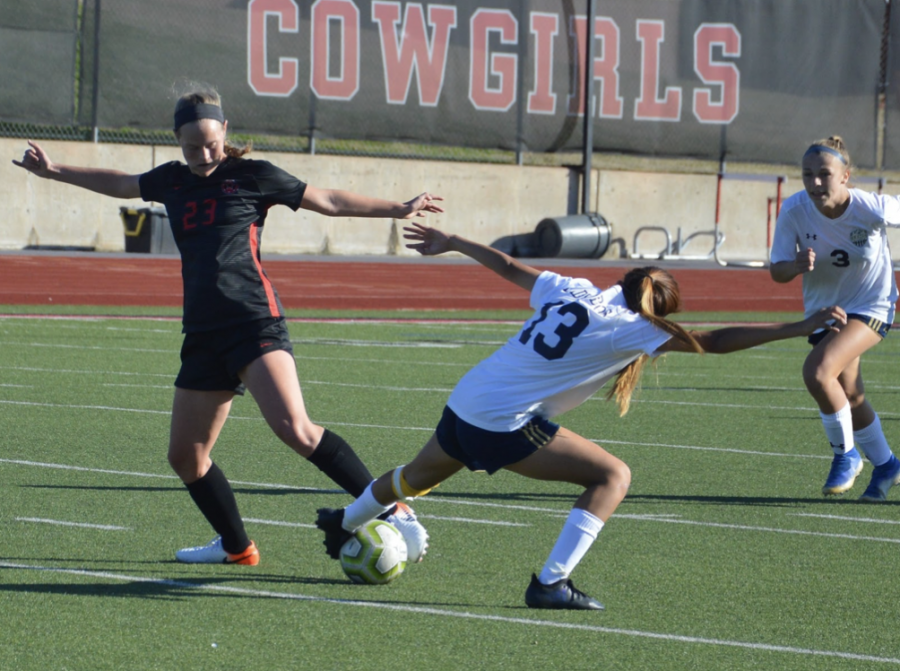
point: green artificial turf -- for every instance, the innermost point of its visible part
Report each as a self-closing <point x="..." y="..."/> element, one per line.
<point x="723" y="556"/>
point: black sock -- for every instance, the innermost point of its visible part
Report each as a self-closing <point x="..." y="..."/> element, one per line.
<point x="336" y="459"/>
<point x="214" y="498"/>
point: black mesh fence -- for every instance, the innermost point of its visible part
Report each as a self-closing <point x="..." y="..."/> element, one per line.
<point x="489" y="80"/>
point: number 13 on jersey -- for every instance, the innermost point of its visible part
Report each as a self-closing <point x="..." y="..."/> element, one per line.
<point x="567" y="329"/>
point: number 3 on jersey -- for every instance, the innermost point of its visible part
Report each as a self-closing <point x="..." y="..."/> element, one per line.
<point x="565" y="332"/>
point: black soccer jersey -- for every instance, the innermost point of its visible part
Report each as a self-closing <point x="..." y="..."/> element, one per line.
<point x="217" y="224"/>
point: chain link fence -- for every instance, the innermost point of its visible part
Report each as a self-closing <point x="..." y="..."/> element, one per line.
<point x="489" y="81"/>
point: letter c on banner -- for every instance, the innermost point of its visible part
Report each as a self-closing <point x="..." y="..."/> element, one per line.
<point x="260" y="79"/>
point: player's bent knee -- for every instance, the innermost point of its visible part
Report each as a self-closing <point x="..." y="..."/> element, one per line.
<point x="298" y="436"/>
<point x="623" y="475"/>
<point x="402" y="488"/>
<point x="186" y="466"/>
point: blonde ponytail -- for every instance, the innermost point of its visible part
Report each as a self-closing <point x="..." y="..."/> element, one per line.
<point x="652" y="293"/>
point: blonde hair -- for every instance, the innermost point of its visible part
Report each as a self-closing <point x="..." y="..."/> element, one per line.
<point x="835" y="143"/>
<point x="205" y="94"/>
<point x="652" y="293"/>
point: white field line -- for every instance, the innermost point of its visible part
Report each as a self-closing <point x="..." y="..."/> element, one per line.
<point x="105" y="348"/>
<point x="469" y="520"/>
<point x="376" y="343"/>
<point x="433" y="323"/>
<point x="276" y="523"/>
<point x="90" y="318"/>
<point x="685" y="375"/>
<point x="393" y="362"/>
<point x="552" y="511"/>
<point x="95" y="373"/>
<point x="137" y="474"/>
<point x="740" y="406"/>
<point x="600" y="441"/>
<point x="89" y="407"/>
<point x="363" y="343"/>
<point x="378" y="387"/>
<point x="83" y="525"/>
<point x="418" y="610"/>
<point x="870" y="520"/>
<point x="166" y="331"/>
<point x="729" y="450"/>
<point x="797" y="532"/>
<point x="447" y="390"/>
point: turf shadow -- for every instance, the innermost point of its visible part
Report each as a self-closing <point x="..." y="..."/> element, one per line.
<point x="170" y="589"/>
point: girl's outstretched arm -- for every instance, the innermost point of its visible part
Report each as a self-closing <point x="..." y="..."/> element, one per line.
<point x="735" y="338"/>
<point x="113" y="183"/>
<point x="337" y="203"/>
<point x="430" y="241"/>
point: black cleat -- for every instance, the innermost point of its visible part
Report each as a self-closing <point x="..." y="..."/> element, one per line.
<point x="329" y="520"/>
<point x="561" y="595"/>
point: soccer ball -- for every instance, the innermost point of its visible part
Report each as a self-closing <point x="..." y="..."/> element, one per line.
<point x="375" y="554"/>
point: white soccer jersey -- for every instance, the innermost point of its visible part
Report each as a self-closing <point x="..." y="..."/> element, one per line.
<point x="853" y="267"/>
<point x="578" y="338"/>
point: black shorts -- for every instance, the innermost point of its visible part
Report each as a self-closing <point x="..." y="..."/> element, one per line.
<point x="880" y="327"/>
<point x="482" y="450"/>
<point x="211" y="360"/>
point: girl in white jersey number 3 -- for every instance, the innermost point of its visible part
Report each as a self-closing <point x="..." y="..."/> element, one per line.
<point x="835" y="237"/>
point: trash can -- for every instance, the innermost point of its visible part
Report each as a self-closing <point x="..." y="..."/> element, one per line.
<point x="147" y="230"/>
<point x="577" y="236"/>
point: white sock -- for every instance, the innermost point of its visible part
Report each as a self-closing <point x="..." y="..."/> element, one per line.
<point x="577" y="535"/>
<point x="839" y="429"/>
<point x="365" y="509"/>
<point x="872" y="441"/>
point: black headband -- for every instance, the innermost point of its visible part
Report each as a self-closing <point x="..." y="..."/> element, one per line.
<point x="197" y="112"/>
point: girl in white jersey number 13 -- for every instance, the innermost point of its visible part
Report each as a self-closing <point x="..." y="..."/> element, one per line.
<point x="834" y="237"/>
<point x="498" y="416"/>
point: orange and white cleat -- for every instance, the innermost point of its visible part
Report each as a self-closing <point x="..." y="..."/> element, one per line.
<point x="214" y="553"/>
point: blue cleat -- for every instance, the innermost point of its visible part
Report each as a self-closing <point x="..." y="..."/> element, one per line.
<point x="883" y="478"/>
<point x="842" y="475"/>
<point x="560" y="595"/>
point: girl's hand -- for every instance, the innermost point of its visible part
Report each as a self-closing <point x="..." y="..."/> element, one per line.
<point x="806" y="261"/>
<point x="426" y="240"/>
<point x="424" y="202"/>
<point x="831" y="318"/>
<point x="36" y="160"/>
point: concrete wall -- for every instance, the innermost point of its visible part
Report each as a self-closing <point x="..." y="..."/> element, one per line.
<point x="484" y="202"/>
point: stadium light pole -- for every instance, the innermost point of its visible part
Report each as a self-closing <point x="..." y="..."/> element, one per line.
<point x="588" y="141"/>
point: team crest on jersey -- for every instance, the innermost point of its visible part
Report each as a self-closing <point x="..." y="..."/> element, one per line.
<point x="859" y="237"/>
<point x="229" y="187"/>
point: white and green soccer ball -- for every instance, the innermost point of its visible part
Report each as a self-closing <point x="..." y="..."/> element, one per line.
<point x="375" y="554"/>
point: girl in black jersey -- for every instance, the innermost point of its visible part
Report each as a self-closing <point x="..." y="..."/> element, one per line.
<point x="235" y="334"/>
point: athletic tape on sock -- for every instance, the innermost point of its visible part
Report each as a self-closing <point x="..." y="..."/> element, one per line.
<point x="402" y="488"/>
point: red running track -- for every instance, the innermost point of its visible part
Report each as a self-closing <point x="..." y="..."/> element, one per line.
<point x="345" y="284"/>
